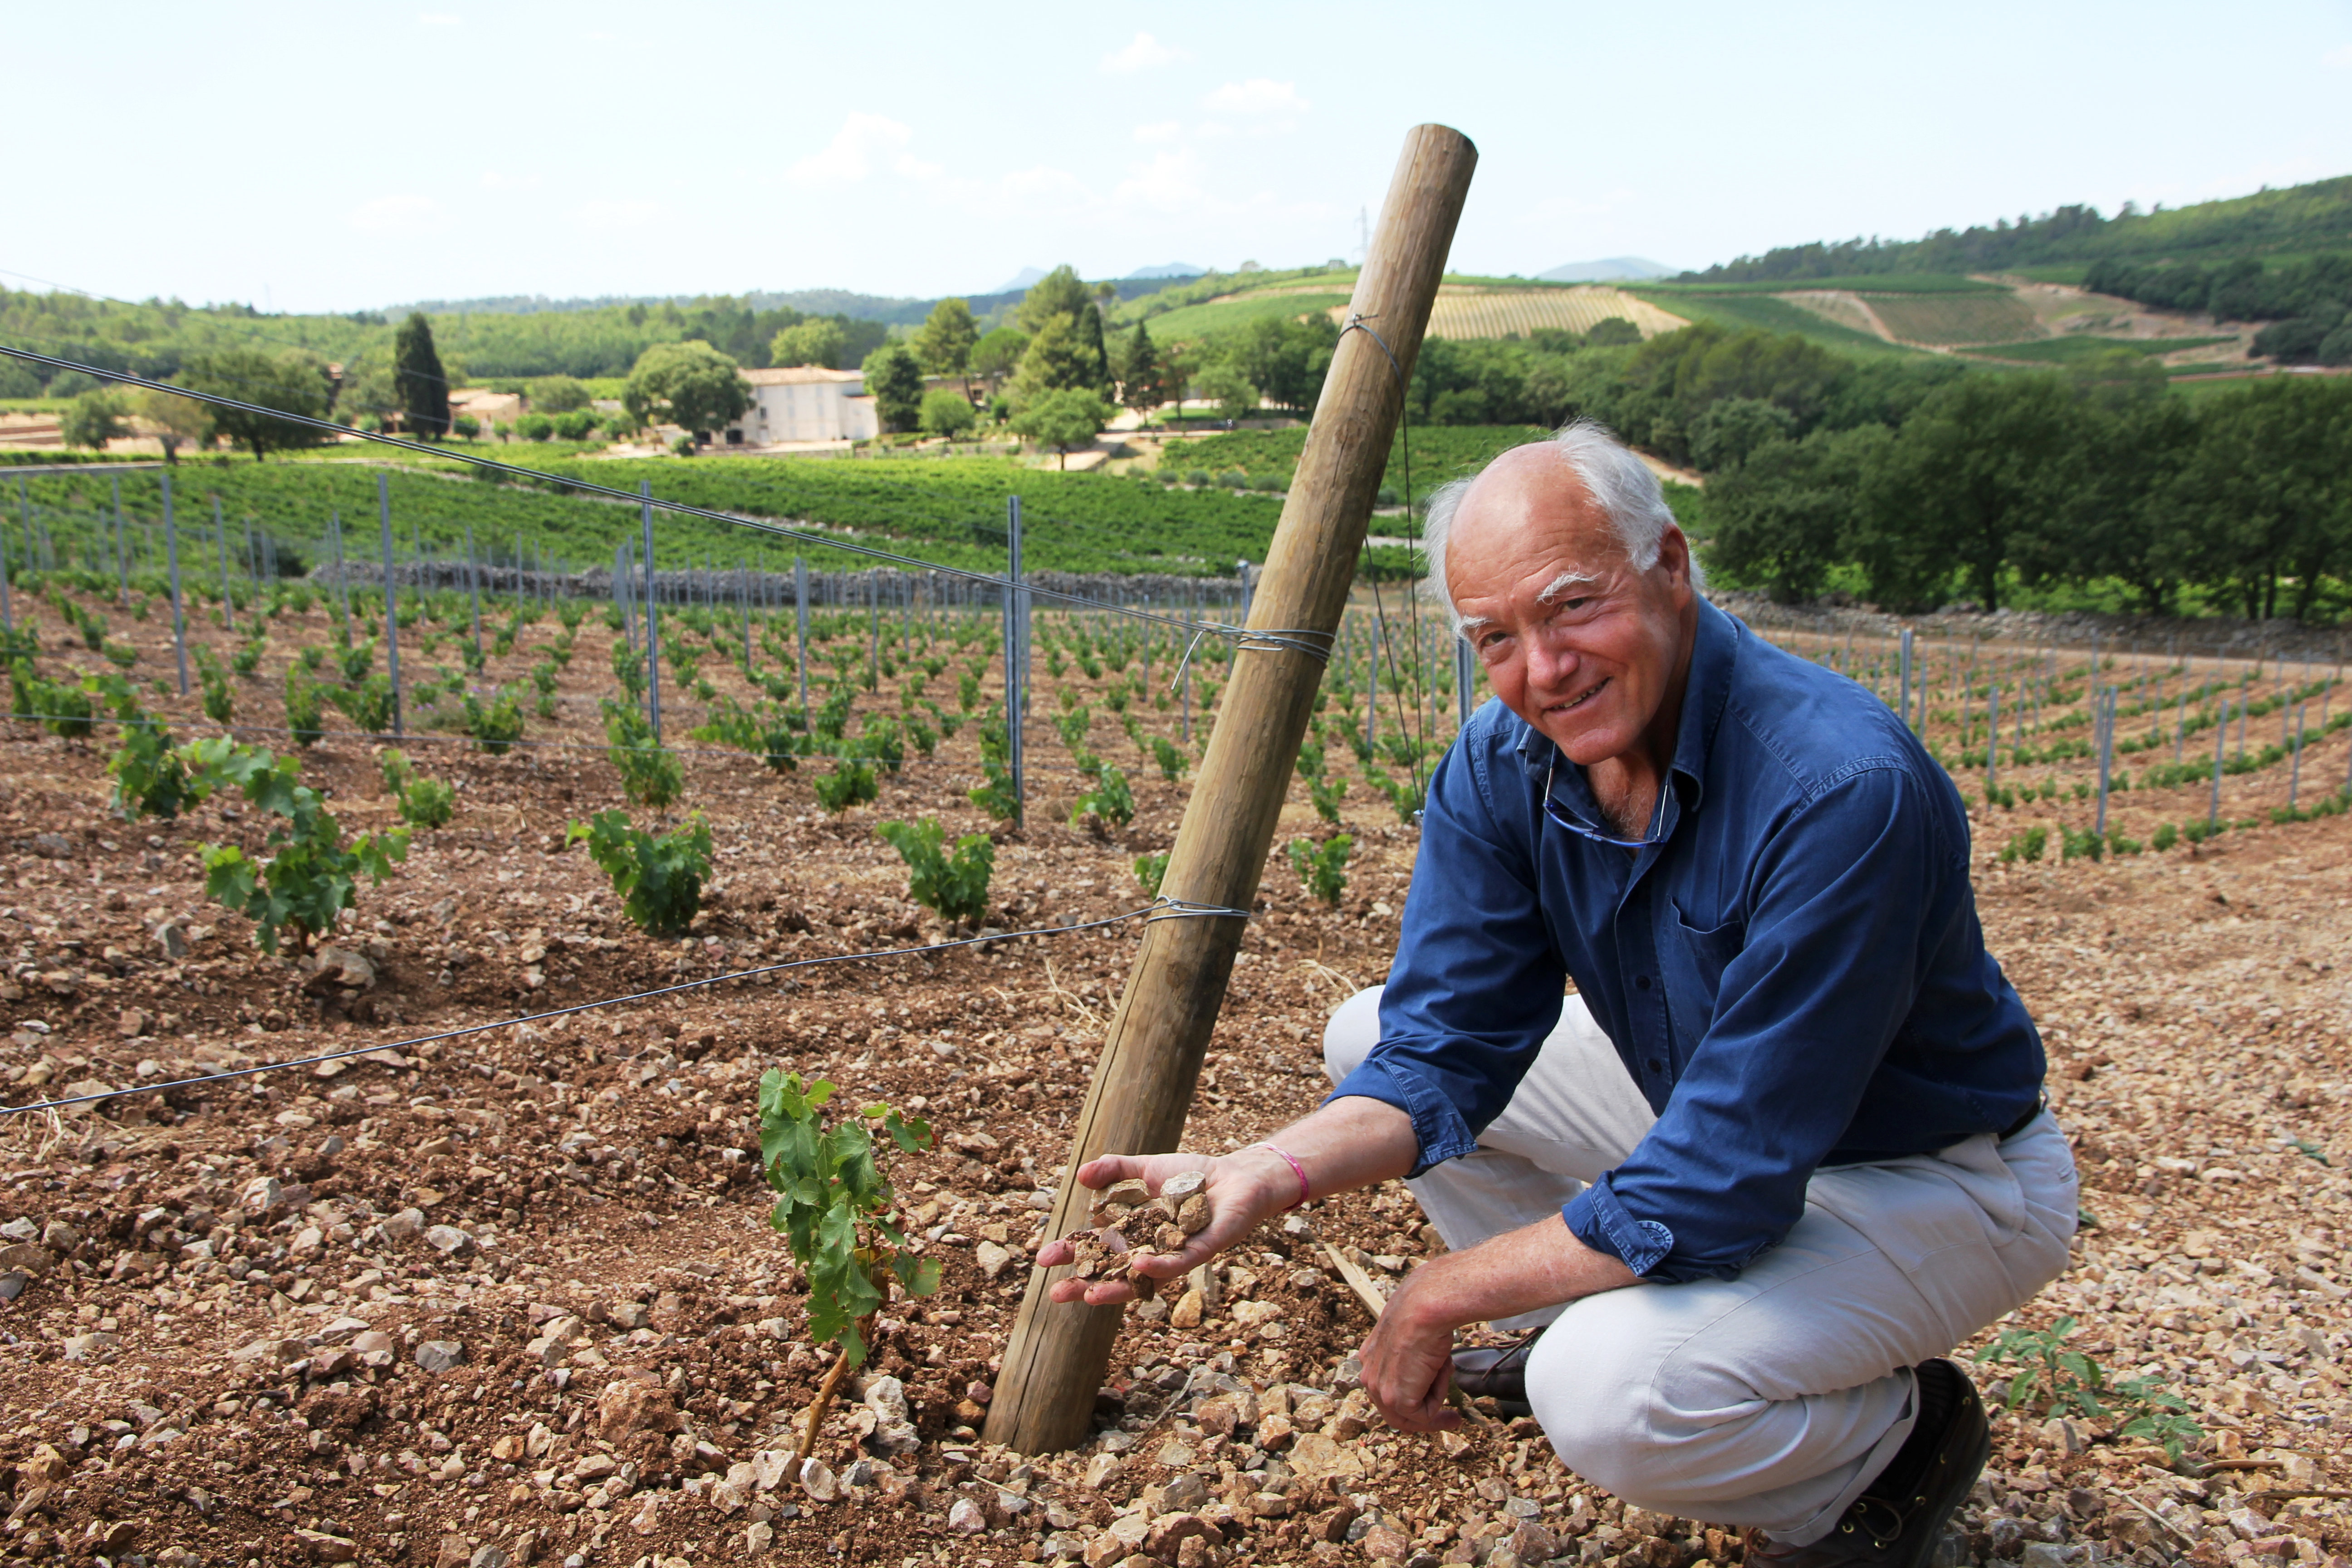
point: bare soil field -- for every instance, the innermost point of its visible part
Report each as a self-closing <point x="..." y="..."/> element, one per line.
<point x="510" y="1297"/>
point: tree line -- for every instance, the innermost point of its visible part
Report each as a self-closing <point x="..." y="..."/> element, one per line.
<point x="2267" y="220"/>
<point x="2307" y="301"/>
<point x="1991" y="482"/>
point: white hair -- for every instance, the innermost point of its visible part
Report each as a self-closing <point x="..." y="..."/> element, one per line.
<point x="1616" y="479"/>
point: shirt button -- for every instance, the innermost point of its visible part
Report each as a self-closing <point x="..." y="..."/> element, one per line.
<point x="1640" y="981"/>
<point x="1656" y="1066"/>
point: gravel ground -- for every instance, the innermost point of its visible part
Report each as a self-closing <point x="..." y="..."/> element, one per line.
<point x="509" y="1298"/>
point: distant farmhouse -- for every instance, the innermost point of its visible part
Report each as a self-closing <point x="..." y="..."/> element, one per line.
<point x="805" y="404"/>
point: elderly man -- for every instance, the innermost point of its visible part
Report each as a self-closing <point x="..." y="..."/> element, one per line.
<point x="1781" y="1149"/>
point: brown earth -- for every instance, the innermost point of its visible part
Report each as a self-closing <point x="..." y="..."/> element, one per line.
<point x="510" y="1295"/>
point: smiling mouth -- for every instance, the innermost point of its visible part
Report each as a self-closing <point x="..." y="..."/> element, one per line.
<point x="1582" y="697"/>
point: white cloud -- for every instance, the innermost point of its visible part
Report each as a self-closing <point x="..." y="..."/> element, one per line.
<point x="1159" y="131"/>
<point x="492" y="180"/>
<point x="862" y="142"/>
<point x="1257" y="98"/>
<point x="2341" y="58"/>
<point x="1169" y="182"/>
<point x="398" y="214"/>
<point x="1145" y="53"/>
<point x="610" y="215"/>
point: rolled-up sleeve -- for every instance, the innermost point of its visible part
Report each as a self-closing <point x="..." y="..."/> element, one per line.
<point x="1478" y="977"/>
<point x="1848" y="899"/>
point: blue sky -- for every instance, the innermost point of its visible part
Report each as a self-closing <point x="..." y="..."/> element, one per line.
<point x="322" y="156"/>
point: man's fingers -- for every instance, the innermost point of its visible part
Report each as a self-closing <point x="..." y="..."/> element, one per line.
<point x="1109" y="1171"/>
<point x="1053" y="1254"/>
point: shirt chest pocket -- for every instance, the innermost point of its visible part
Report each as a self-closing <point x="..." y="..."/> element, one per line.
<point x="1695" y="959"/>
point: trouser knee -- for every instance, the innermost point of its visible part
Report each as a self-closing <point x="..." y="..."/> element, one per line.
<point x="1350" y="1033"/>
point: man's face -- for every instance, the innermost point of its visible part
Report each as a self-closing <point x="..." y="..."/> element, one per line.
<point x="1575" y="641"/>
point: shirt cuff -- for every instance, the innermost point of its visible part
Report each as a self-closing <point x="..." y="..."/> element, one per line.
<point x="1437" y="1126"/>
<point x="1596" y="1218"/>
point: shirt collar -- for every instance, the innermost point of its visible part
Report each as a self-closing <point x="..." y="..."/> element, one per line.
<point x="1715" y="656"/>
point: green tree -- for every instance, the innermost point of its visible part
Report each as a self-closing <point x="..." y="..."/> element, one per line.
<point x="945" y="341"/>
<point x="1285" y="359"/>
<point x="177" y="421"/>
<point x="1058" y="293"/>
<point x="947" y="413"/>
<point x="895" y="381"/>
<point x="818" y="342"/>
<point x="557" y="395"/>
<point x="2265" y="495"/>
<point x="1987" y="466"/>
<point x="1788" y="514"/>
<point x="94" y="418"/>
<point x="998" y="354"/>
<point x="292" y="382"/>
<point x="1224" y="384"/>
<point x="1062" y="420"/>
<point x="691" y="386"/>
<point x="1062" y="358"/>
<point x="1142" y="379"/>
<point x="424" y="385"/>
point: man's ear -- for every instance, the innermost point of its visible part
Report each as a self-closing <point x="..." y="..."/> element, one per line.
<point x="1675" y="556"/>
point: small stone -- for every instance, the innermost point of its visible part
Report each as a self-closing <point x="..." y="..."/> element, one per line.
<point x="325" y="1548"/>
<point x="1099" y="1470"/>
<point x="487" y="1556"/>
<point x="52" y="847"/>
<point x="438" y="1356"/>
<point x="817" y="1481"/>
<point x="628" y="1405"/>
<point x="375" y="1348"/>
<point x="449" y="1239"/>
<point x="406" y="1226"/>
<point x="456" y="1552"/>
<point x="26" y="1256"/>
<point x="992" y="1258"/>
<point x="967" y="1517"/>
<point x="172" y="936"/>
<point x="758" y="1538"/>
<point x="134" y="1021"/>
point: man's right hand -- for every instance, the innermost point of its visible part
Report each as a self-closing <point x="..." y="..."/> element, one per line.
<point x="1243" y="1188"/>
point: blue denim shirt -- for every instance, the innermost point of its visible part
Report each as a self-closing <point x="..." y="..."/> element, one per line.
<point x="1792" y="972"/>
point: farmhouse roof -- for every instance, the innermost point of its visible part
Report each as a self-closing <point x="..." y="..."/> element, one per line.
<point x="800" y="374"/>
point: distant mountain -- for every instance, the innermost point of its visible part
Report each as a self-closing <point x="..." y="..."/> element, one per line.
<point x="1170" y="270"/>
<point x="1614" y="269"/>
<point x="1021" y="281"/>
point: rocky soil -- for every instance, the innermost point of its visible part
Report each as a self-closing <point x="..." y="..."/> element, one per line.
<point x="508" y="1297"/>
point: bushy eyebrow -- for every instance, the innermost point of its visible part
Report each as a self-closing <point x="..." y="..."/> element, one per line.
<point x="1565" y="580"/>
<point x="1472" y="622"/>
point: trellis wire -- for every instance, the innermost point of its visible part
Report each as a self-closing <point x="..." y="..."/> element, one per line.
<point x="1149" y="911"/>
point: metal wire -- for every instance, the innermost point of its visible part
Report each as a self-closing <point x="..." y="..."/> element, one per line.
<point x="1167" y="906"/>
<point x="6" y="1110"/>
<point x="416" y="736"/>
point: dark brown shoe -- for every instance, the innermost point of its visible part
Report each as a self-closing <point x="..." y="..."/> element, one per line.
<point x="1498" y="1372"/>
<point x="1898" y="1518"/>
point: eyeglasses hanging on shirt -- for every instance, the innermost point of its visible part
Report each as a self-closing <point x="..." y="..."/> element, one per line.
<point x="1559" y="814"/>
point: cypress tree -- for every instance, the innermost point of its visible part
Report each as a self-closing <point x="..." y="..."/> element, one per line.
<point x="417" y="378"/>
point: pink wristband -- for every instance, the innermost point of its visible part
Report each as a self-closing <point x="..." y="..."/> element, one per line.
<point x="1297" y="1169"/>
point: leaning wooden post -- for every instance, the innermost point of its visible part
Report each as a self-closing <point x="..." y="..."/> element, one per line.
<point x="1142" y="1086"/>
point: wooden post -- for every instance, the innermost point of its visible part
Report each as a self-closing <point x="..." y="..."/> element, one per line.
<point x="1142" y="1087"/>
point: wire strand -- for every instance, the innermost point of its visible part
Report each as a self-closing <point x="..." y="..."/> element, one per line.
<point x="7" y="1110"/>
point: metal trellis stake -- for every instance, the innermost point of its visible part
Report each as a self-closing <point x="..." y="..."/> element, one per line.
<point x="800" y="615"/>
<point x="391" y="598"/>
<point x="172" y="554"/>
<point x="1054" y="1363"/>
<point x="652" y="616"/>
